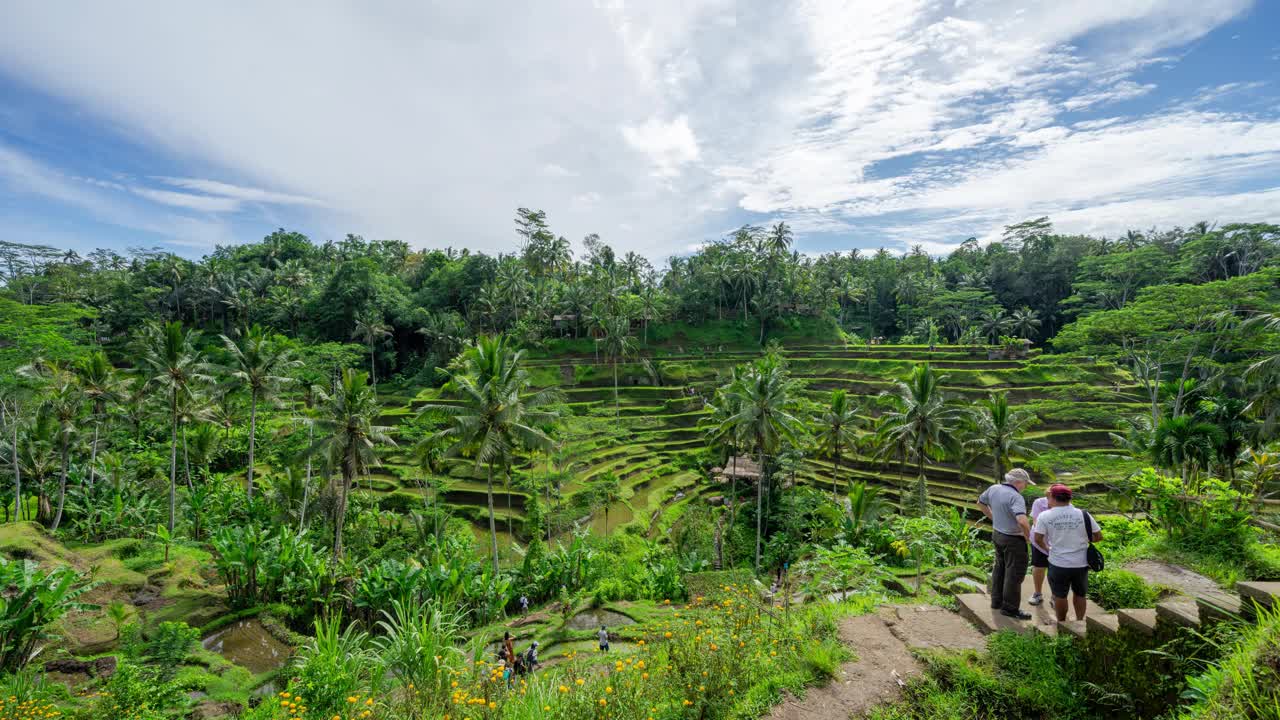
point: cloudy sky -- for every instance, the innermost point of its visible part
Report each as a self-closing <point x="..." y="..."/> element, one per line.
<point x="656" y="124"/>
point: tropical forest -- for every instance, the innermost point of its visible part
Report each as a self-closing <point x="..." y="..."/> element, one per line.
<point x="311" y="479"/>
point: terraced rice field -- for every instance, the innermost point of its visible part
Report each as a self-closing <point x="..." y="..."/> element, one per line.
<point x="657" y="451"/>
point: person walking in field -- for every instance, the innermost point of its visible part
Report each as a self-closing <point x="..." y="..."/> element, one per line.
<point x="1039" y="554"/>
<point x="1066" y="531"/>
<point x="524" y="605"/>
<point x="604" y="638"/>
<point x="1005" y="507"/>
<point x="531" y="657"/>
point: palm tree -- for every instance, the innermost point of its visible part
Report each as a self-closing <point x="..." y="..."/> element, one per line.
<point x="1025" y="321"/>
<point x="259" y="362"/>
<point x="172" y="364"/>
<point x="720" y="431"/>
<point x="836" y="433"/>
<point x="607" y="490"/>
<point x="1184" y="444"/>
<point x="994" y="323"/>
<point x="618" y="344"/>
<point x="65" y="404"/>
<point x="998" y="430"/>
<point x="923" y="420"/>
<point x="348" y="439"/>
<point x="761" y="399"/>
<point x="495" y="415"/>
<point x="100" y="384"/>
<point x="371" y="329"/>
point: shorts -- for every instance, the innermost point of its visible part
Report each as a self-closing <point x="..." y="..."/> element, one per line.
<point x="1063" y="579"/>
<point x="1038" y="559"/>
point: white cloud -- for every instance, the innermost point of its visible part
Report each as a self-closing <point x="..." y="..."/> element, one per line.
<point x="668" y="145"/>
<point x="920" y="119"/>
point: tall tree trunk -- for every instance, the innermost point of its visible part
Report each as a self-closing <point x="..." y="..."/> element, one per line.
<point x="922" y="491"/>
<point x="999" y="465"/>
<point x="493" y="528"/>
<point x="759" y="508"/>
<point x="62" y="482"/>
<point x="835" y="478"/>
<point x="306" y="488"/>
<point x="507" y="486"/>
<point x="93" y="454"/>
<point x="733" y="489"/>
<point x="253" y="434"/>
<point x="173" y="467"/>
<point x="186" y="461"/>
<point x="17" y="470"/>
<point x="615" y="388"/>
<point x="341" y="513"/>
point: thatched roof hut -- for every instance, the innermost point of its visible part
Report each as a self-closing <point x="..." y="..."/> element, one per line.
<point x="742" y="467"/>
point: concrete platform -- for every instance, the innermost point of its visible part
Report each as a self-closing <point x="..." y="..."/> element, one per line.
<point x="1265" y="594"/>
<point x="1179" y="613"/>
<point x="977" y="608"/>
<point x="1102" y="623"/>
<point x="1139" y="620"/>
<point x="1073" y="628"/>
<point x="1220" y="608"/>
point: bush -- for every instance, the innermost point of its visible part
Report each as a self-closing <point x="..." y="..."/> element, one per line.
<point x="705" y="583"/>
<point x="171" y="643"/>
<point x="1262" y="561"/>
<point x="1115" y="589"/>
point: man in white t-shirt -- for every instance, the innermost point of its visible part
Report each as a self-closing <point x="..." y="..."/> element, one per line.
<point x="1061" y="529"/>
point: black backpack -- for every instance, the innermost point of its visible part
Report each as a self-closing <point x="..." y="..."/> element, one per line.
<point x="1093" y="555"/>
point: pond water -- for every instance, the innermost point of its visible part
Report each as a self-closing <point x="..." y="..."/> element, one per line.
<point x="593" y="619"/>
<point x="248" y="644"/>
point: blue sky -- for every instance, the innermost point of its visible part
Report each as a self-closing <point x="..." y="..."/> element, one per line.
<point x="658" y="125"/>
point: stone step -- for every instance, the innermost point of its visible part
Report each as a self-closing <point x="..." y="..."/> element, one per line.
<point x="1219" y="608"/>
<point x="1139" y="620"/>
<point x="1259" y="593"/>
<point x="1179" y="613"/>
<point x="1103" y="623"/>
<point x="1073" y="628"/>
<point x="976" y="608"/>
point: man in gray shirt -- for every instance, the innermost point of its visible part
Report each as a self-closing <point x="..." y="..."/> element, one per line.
<point x="1005" y="507"/>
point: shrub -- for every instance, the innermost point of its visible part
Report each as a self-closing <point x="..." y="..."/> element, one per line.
<point x="1115" y="589"/>
<point x="1262" y="561"/>
<point x="171" y="643"/>
<point x="33" y="599"/>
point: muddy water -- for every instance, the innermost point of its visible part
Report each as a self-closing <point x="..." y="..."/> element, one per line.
<point x="249" y="645"/>
<point x="593" y="619"/>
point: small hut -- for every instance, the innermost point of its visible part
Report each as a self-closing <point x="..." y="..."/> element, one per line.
<point x="741" y="467"/>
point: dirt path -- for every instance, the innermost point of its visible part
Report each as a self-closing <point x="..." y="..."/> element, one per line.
<point x="873" y="678"/>
<point x="923" y="627"/>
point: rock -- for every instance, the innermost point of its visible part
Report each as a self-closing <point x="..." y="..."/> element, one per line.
<point x="68" y="666"/>
<point x="104" y="667"/>
<point x="716" y="500"/>
<point x="209" y="710"/>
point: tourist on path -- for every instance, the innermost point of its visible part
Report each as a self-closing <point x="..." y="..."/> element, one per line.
<point x="1039" y="554"/>
<point x="531" y="657"/>
<point x="604" y="638"/>
<point x="509" y="646"/>
<point x="1062" y="529"/>
<point x="1005" y="507"/>
<point x="524" y="605"/>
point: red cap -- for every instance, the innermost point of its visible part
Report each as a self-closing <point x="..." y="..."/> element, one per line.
<point x="1060" y="492"/>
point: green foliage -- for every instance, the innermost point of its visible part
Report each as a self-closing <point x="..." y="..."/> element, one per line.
<point x="170" y="644"/>
<point x="1115" y="589"/>
<point x="1245" y="683"/>
<point x="1208" y="517"/>
<point x="31" y="601"/>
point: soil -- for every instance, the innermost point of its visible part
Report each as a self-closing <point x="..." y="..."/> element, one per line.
<point x="883" y="663"/>
<point x="1180" y="579"/>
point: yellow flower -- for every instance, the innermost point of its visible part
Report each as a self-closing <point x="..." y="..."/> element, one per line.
<point x="492" y="705"/>
<point x="666" y="634"/>
<point x="603" y="702"/>
<point x="579" y="681"/>
<point x="608" y="690"/>
<point x="644" y="676"/>
<point x="564" y="689"/>
<point x="352" y="700"/>
<point x="546" y="708"/>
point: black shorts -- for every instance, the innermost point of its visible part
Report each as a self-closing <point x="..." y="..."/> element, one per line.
<point x="1063" y="579"/>
<point x="1038" y="559"/>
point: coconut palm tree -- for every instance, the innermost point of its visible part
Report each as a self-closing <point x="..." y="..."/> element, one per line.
<point x="65" y="404"/>
<point x="618" y="345"/>
<point x="495" y="415"/>
<point x="727" y="435"/>
<point x="347" y="439"/>
<point x="1184" y="444"/>
<point x="994" y="323"/>
<point x="923" y="419"/>
<point x="998" y="430"/>
<point x="259" y="363"/>
<point x="761" y="400"/>
<point x="100" y="383"/>
<point x="1025" y="321"/>
<point x="172" y="365"/>
<point x="370" y="329"/>
<point x="837" y="432"/>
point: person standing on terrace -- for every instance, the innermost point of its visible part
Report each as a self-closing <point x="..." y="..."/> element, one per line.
<point x="1005" y="507"/>
<point x="1039" y="553"/>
